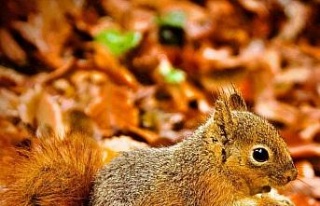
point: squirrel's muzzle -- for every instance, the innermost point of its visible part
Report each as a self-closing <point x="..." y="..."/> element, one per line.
<point x="291" y="174"/>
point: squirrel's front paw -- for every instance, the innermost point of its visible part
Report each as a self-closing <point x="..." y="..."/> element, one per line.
<point x="272" y="202"/>
<point x="273" y="198"/>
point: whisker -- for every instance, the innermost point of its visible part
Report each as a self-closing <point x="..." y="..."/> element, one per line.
<point x="307" y="184"/>
<point x="304" y="188"/>
<point x="292" y="189"/>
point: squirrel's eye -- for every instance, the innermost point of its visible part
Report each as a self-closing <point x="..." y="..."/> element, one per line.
<point x="260" y="154"/>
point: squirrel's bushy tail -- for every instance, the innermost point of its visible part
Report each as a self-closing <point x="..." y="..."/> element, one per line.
<point x="52" y="171"/>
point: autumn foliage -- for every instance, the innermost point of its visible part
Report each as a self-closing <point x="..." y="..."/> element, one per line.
<point x="138" y="73"/>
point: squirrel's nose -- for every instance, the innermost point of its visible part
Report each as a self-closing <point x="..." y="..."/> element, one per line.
<point x="291" y="174"/>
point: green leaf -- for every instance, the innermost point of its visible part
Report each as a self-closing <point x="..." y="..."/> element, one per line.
<point x="118" y="42"/>
<point x="171" y="75"/>
<point x="175" y="76"/>
<point x="173" y="18"/>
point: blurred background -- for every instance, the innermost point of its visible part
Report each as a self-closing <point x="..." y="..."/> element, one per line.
<point x="145" y="73"/>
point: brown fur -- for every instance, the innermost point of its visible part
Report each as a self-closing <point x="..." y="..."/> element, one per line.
<point x="211" y="168"/>
<point x="51" y="172"/>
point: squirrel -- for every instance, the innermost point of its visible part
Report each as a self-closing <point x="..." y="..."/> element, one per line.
<point x="235" y="158"/>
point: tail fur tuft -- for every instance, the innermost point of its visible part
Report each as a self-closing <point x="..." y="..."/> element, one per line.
<point x="52" y="171"/>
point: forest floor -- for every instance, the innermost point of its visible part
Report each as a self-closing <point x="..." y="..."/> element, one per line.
<point x="146" y="73"/>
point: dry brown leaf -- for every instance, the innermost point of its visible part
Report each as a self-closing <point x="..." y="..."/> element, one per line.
<point x="38" y="108"/>
<point x="11" y="48"/>
<point x="305" y="150"/>
<point x="278" y="111"/>
<point x="9" y="102"/>
<point x="114" y="109"/>
<point x="108" y="63"/>
<point x="9" y="77"/>
<point x="48" y="30"/>
<point x="122" y="144"/>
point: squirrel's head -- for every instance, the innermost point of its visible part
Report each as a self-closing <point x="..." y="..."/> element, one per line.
<point x="253" y="151"/>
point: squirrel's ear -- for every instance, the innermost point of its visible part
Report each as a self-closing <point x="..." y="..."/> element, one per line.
<point x="223" y="118"/>
<point x="237" y="102"/>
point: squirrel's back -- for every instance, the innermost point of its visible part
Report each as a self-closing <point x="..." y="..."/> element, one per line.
<point x="52" y="171"/>
<point x="164" y="176"/>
